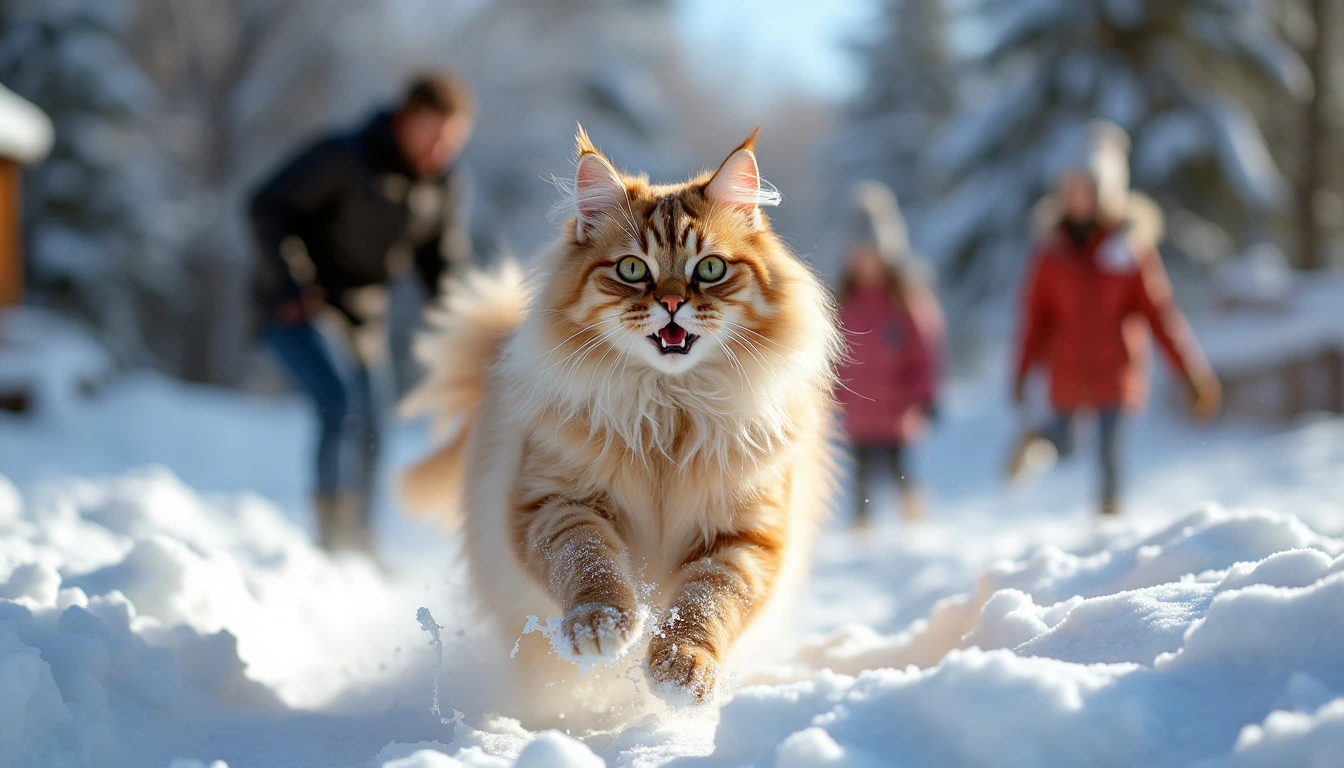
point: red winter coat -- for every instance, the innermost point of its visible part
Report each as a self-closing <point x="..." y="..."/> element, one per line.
<point x="1086" y="318"/>
<point x="892" y="375"/>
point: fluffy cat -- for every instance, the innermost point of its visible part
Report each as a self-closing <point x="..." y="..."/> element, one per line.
<point x="640" y="434"/>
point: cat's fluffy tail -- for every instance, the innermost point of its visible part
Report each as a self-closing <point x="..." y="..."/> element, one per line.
<point x="476" y="314"/>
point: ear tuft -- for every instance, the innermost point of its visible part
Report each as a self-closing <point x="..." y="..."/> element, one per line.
<point x="750" y="141"/>
<point x="582" y="144"/>
<point x="738" y="183"/>
<point x="598" y="188"/>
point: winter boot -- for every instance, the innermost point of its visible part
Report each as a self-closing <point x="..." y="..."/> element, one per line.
<point x="862" y="519"/>
<point x="1031" y="455"/>
<point x="340" y="524"/>
<point x="912" y="505"/>
<point x="324" y="505"/>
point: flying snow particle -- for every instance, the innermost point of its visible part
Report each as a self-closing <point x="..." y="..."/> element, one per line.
<point x="431" y="626"/>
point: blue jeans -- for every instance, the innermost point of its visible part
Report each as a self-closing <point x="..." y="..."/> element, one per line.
<point x="349" y="403"/>
<point x="1060" y="433"/>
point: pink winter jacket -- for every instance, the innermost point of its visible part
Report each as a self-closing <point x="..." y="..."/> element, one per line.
<point x="892" y="374"/>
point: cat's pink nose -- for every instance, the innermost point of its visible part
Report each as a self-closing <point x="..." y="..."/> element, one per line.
<point x="672" y="302"/>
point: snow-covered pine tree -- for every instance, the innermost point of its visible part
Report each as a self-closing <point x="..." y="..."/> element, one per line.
<point x="1164" y="70"/>
<point x="1300" y="132"/>
<point x="541" y="67"/>
<point x="241" y="84"/>
<point x="1312" y="176"/>
<point x="1306" y="139"/>
<point x="909" y="90"/>
<point x="100" y="213"/>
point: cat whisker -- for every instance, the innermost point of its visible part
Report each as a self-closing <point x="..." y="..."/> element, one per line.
<point x="572" y="335"/>
<point x="750" y="348"/>
<point x="629" y="217"/>
<point x="757" y="334"/>
<point x="581" y="347"/>
<point x="571" y="370"/>
<point x="781" y="355"/>
<point x="606" y="385"/>
<point x="841" y="383"/>
<point x="622" y="225"/>
<point x="737" y="364"/>
<point x="538" y="377"/>
<point x="598" y="367"/>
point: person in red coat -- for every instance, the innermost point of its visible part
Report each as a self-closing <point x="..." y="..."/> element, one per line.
<point x="1095" y="293"/>
<point x="894" y="326"/>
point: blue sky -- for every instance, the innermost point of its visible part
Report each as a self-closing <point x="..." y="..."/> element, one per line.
<point x="772" y="46"/>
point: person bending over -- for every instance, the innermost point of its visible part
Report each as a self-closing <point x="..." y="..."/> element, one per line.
<point x="334" y="226"/>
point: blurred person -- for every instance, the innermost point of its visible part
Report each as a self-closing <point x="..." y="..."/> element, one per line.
<point x="894" y="327"/>
<point x="335" y="225"/>
<point x="1096" y="289"/>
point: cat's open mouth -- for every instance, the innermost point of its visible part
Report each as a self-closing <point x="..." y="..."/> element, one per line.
<point x="672" y="339"/>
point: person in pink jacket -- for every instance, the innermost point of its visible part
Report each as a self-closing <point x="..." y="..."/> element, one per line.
<point x="894" y="326"/>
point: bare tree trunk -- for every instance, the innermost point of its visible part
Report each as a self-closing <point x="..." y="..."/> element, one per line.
<point x="1314" y="138"/>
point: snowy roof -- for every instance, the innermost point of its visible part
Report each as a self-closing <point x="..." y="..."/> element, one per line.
<point x="1247" y="340"/>
<point x="25" y="131"/>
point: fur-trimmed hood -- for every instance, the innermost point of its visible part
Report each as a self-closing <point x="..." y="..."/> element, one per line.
<point x="1143" y="223"/>
<point x="876" y="218"/>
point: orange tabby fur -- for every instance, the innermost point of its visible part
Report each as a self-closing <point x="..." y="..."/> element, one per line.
<point x="590" y="462"/>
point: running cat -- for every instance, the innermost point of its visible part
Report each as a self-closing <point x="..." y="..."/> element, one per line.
<point x="640" y="431"/>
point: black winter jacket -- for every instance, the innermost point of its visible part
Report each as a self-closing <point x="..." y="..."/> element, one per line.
<point x="351" y="205"/>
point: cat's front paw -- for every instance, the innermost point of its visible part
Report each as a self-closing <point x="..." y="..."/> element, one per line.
<point x="682" y="674"/>
<point x="593" y="633"/>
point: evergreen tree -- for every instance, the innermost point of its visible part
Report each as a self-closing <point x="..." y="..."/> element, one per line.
<point x="100" y="216"/>
<point x="1300" y="132"/>
<point x="240" y="85"/>
<point x="909" y="90"/>
<point x="1318" y="198"/>
<point x="1167" y="71"/>
<point x="540" y="68"/>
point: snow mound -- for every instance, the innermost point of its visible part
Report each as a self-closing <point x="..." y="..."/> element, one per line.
<point x="133" y="611"/>
<point x="1153" y="588"/>
<point x="1306" y="739"/>
<point x="48" y="358"/>
<point x="1215" y="639"/>
<point x="144" y="625"/>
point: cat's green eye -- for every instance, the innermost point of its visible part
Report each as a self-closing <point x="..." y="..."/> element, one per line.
<point x="632" y="269"/>
<point x="710" y="269"/>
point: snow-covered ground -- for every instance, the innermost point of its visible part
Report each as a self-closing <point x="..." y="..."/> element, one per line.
<point x="160" y="604"/>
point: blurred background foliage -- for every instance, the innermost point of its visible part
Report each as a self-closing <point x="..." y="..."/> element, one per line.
<point x="167" y="111"/>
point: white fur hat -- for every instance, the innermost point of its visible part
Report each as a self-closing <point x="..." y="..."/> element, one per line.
<point x="877" y="219"/>
<point x="1101" y="153"/>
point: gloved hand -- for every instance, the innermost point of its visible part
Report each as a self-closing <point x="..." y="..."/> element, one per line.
<point x="913" y="423"/>
<point x="931" y="411"/>
<point x="1206" y="395"/>
<point x="370" y="343"/>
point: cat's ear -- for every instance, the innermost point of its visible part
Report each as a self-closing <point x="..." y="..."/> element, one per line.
<point x="597" y="187"/>
<point x="738" y="183"/>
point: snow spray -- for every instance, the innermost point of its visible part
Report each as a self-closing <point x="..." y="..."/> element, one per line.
<point x="431" y="626"/>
